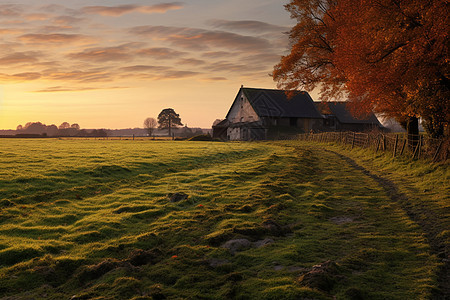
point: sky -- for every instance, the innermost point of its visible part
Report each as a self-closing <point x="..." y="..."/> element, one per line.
<point x="113" y="63"/>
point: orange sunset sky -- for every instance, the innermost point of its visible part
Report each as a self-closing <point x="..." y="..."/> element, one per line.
<point x="111" y="64"/>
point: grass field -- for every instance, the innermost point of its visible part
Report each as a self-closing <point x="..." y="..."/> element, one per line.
<point x="93" y="219"/>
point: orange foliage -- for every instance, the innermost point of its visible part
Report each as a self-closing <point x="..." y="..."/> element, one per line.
<point x="389" y="56"/>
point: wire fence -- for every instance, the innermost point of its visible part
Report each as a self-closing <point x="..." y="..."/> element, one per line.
<point x="413" y="146"/>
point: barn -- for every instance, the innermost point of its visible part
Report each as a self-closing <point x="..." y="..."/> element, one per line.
<point x="261" y="114"/>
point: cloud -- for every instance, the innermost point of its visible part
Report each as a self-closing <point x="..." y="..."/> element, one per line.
<point x="67" y="20"/>
<point x="37" y="17"/>
<point x="176" y="74"/>
<point x="261" y="58"/>
<point x="11" y="10"/>
<point x="57" y="89"/>
<point x="104" y="54"/>
<point x="198" y="39"/>
<point x="191" y="61"/>
<point x="54" y="38"/>
<point x="215" y="79"/>
<point x="156" y="72"/>
<point x="248" y="26"/>
<point x="10" y="31"/>
<point x="226" y="66"/>
<point x="144" y="68"/>
<point x="20" y="77"/>
<point x="80" y="76"/>
<point x="161" y="53"/>
<point x="219" y="54"/>
<point x="115" y="11"/>
<point x="19" y="58"/>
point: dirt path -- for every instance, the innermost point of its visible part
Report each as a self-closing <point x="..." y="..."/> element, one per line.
<point x="426" y="219"/>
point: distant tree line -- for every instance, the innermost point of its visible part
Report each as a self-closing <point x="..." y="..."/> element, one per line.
<point x="65" y="129"/>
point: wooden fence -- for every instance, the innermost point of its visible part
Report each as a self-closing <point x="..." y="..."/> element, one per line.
<point x="416" y="147"/>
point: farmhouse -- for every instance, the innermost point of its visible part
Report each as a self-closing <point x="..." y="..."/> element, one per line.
<point x="260" y="114"/>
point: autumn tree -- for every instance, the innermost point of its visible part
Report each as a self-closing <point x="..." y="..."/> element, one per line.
<point x="387" y="56"/>
<point x="150" y="125"/>
<point x="169" y="119"/>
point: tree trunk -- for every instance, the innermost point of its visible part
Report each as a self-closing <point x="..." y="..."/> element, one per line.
<point x="412" y="130"/>
<point x="170" y="126"/>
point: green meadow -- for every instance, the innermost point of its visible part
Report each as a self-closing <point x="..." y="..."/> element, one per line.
<point x="102" y="219"/>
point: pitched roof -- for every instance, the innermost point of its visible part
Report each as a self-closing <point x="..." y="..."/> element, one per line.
<point x="343" y="113"/>
<point x="275" y="103"/>
<point x="223" y="123"/>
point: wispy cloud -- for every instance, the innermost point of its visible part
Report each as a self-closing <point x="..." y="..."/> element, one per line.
<point x="104" y="54"/>
<point x="67" y="20"/>
<point x="156" y="72"/>
<point x="11" y="10"/>
<point x="58" y="89"/>
<point x="143" y="68"/>
<point x="200" y="39"/>
<point x="10" y="31"/>
<point x="37" y="17"/>
<point x="80" y="76"/>
<point x="191" y="61"/>
<point x="247" y="26"/>
<point x="54" y="38"/>
<point x="115" y="11"/>
<point x="20" y="77"/>
<point x="219" y="54"/>
<point x="161" y="53"/>
<point x="19" y="58"/>
<point x="214" y="79"/>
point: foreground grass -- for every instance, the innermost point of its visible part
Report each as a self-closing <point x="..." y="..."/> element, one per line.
<point x="92" y="219"/>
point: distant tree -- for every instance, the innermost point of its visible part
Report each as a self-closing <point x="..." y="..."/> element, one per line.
<point x="64" y="125"/>
<point x="75" y="126"/>
<point x="19" y="127"/>
<point x="52" y="130"/>
<point x="35" y="128"/>
<point x="150" y="125"/>
<point x="168" y="118"/>
<point x="98" y="133"/>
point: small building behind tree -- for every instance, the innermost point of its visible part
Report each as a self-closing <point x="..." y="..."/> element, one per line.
<point x="339" y="117"/>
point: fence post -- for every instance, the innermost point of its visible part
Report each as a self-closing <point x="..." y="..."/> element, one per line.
<point x="437" y="151"/>
<point x="420" y="146"/>
<point x="353" y="140"/>
<point x="403" y="147"/>
<point x="378" y="143"/>
<point x="416" y="150"/>
<point x="395" y="145"/>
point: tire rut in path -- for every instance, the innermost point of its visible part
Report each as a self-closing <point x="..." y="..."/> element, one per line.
<point x="426" y="223"/>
